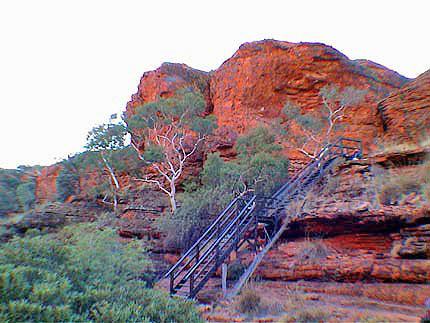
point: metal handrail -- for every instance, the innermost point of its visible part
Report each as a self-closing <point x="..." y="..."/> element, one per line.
<point x="233" y="225"/>
<point x="205" y="243"/>
<point x="212" y="226"/>
<point x="217" y="241"/>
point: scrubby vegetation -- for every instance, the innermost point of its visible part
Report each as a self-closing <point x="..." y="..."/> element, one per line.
<point x="306" y="315"/>
<point x="17" y="190"/>
<point x="394" y="185"/>
<point x="82" y="274"/>
<point x="9" y="181"/>
<point x="249" y="301"/>
<point x="259" y="167"/>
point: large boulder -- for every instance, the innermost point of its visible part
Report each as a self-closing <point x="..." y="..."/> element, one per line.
<point x="253" y="86"/>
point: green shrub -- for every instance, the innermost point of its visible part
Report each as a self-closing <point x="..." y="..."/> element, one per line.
<point x="193" y="216"/>
<point x="83" y="273"/>
<point x="9" y="181"/>
<point x="67" y="183"/>
<point x="26" y="194"/>
<point x="258" y="168"/>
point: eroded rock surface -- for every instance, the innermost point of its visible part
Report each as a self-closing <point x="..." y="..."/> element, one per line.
<point x="253" y="85"/>
<point x="405" y="114"/>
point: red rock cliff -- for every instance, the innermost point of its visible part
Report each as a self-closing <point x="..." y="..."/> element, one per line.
<point x="405" y="114"/>
<point x="254" y="84"/>
<point x="165" y="80"/>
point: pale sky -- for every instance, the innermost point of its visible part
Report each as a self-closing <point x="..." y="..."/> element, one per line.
<point x="66" y="66"/>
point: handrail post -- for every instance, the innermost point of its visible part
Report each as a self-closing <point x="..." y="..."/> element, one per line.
<point x="191" y="285"/>
<point x="255" y="230"/>
<point x="172" y="278"/>
<point x="237" y="236"/>
<point x="218" y="252"/>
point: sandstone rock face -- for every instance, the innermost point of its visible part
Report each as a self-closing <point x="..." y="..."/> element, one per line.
<point x="253" y="85"/>
<point x="352" y="237"/>
<point x="413" y="242"/>
<point x="165" y="81"/>
<point x="405" y="114"/>
<point x="46" y="187"/>
<point x="358" y="257"/>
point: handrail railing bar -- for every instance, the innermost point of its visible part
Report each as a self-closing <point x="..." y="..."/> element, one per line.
<point x="217" y="241"/>
<point x="230" y="205"/>
<point x="222" y="257"/>
<point x="204" y="256"/>
<point x="347" y="147"/>
<point x="202" y="246"/>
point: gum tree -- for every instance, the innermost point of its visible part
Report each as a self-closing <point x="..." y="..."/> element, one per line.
<point x="166" y="133"/>
<point x="106" y="139"/>
<point x="318" y="129"/>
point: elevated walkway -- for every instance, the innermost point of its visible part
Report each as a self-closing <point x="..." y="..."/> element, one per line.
<point x="239" y="222"/>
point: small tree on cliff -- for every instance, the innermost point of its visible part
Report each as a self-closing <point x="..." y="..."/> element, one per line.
<point x="106" y="139"/>
<point x="317" y="129"/>
<point x="166" y="133"/>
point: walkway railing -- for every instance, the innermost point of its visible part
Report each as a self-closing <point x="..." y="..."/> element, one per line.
<point x="238" y="222"/>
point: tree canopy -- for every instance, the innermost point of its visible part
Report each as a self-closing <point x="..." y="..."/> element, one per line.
<point x="166" y="133"/>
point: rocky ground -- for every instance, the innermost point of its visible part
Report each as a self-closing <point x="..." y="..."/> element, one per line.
<point x="324" y="301"/>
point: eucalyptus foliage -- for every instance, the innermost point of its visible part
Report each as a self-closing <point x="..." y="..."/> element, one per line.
<point x="166" y="133"/>
<point x="317" y="129"/>
<point x="107" y="139"/>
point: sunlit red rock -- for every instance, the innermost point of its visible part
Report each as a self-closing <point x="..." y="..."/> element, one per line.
<point x="405" y="114"/>
<point x="165" y="81"/>
<point x="253" y="85"/>
<point x="46" y="187"/>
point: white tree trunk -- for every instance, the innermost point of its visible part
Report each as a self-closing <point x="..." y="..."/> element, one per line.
<point x="172" y="196"/>
<point x="114" y="180"/>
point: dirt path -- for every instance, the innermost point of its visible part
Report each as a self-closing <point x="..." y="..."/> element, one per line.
<point x="323" y="302"/>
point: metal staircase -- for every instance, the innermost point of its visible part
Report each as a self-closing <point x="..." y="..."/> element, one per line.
<point x="238" y="223"/>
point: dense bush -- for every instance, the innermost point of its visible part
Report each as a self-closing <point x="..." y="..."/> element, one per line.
<point x="189" y="221"/>
<point x="26" y="195"/>
<point x="67" y="183"/>
<point x="82" y="274"/>
<point x="9" y="181"/>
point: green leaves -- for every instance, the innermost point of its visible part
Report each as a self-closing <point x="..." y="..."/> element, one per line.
<point x="184" y="111"/>
<point x="347" y="97"/>
<point x="154" y="153"/>
<point x="17" y="190"/>
<point x="26" y="194"/>
<point x="259" y="139"/>
<point x="107" y="136"/>
<point x="82" y="273"/>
